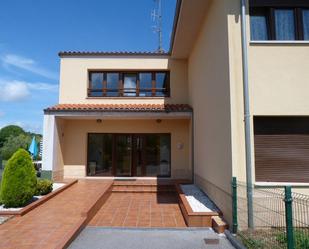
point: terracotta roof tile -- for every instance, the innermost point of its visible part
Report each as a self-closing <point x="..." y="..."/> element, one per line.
<point x="120" y="108"/>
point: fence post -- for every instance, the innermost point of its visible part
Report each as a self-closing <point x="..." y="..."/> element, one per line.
<point x="289" y="217"/>
<point x="234" y="204"/>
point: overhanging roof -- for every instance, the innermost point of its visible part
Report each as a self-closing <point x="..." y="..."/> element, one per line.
<point x="120" y="110"/>
<point x="187" y="23"/>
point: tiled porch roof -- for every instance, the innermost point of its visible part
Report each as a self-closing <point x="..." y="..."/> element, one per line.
<point x="120" y="108"/>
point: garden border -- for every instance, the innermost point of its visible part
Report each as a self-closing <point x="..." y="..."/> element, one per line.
<point x="37" y="203"/>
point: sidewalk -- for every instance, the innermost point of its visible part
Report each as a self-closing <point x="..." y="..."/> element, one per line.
<point x="120" y="238"/>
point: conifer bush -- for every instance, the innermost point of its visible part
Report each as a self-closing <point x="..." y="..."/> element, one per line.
<point x="44" y="186"/>
<point x="19" y="181"/>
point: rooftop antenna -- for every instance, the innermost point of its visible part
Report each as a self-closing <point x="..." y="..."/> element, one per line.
<point x="156" y="15"/>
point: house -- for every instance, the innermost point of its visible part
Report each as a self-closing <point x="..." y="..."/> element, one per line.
<point x="230" y="98"/>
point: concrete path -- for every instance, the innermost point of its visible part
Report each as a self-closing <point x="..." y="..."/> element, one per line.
<point x="120" y="238"/>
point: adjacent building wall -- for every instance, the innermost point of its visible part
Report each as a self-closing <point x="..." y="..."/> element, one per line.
<point x="74" y="78"/>
<point x="75" y="142"/>
<point x="278" y="82"/>
<point x="209" y="95"/>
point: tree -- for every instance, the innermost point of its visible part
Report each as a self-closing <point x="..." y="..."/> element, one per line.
<point x="18" y="181"/>
<point x="10" y="130"/>
<point x="13" y="143"/>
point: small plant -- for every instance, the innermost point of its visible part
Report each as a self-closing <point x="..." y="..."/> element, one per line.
<point x="43" y="187"/>
<point x="18" y="181"/>
<point x="301" y="238"/>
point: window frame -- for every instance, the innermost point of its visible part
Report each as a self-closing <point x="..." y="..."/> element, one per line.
<point x="121" y="90"/>
<point x="268" y="7"/>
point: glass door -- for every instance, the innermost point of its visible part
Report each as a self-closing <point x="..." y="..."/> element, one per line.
<point x="123" y="155"/>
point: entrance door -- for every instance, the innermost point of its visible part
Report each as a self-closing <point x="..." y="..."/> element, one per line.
<point x="129" y="155"/>
<point x="123" y="155"/>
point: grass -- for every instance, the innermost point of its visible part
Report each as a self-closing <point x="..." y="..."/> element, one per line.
<point x="273" y="239"/>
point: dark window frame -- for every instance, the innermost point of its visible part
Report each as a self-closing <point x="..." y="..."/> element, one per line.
<point x="268" y="7"/>
<point x="133" y="166"/>
<point x="121" y="90"/>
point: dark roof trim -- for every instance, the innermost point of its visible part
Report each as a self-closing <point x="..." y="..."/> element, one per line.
<point x="175" y="23"/>
<point x="102" y="53"/>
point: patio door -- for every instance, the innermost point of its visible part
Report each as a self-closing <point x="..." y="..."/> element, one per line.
<point x="129" y="155"/>
<point x="124" y="155"/>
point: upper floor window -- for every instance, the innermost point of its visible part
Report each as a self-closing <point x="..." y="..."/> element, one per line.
<point x="285" y="20"/>
<point x="129" y="84"/>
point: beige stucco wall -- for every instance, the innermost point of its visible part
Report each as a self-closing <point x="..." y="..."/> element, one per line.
<point x="74" y="77"/>
<point x="278" y="82"/>
<point x="209" y="94"/>
<point x="75" y="142"/>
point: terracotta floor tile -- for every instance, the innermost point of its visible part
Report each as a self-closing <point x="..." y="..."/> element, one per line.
<point x="50" y="221"/>
<point x="141" y="210"/>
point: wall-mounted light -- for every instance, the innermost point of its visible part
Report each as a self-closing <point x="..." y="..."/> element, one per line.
<point x="99" y="121"/>
<point x="180" y="146"/>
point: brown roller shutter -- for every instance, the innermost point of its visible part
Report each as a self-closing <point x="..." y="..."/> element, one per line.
<point x="281" y="149"/>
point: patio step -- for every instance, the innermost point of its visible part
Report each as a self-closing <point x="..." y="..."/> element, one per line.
<point x="145" y="186"/>
<point x="218" y="224"/>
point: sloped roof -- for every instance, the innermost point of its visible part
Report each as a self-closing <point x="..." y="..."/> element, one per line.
<point x="119" y="108"/>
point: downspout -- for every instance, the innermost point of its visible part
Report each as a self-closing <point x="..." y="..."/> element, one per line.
<point x="192" y="147"/>
<point x="247" y="117"/>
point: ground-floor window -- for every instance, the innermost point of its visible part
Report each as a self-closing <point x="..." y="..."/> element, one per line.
<point x="281" y="149"/>
<point x="129" y="155"/>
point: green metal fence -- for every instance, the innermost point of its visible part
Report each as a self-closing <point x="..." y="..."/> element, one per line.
<point x="280" y="217"/>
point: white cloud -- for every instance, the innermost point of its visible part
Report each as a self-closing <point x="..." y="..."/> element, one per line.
<point x="27" y="64"/>
<point x="13" y="91"/>
<point x="1" y="114"/>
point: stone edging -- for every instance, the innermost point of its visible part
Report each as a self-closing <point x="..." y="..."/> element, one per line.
<point x="39" y="202"/>
<point x="193" y="219"/>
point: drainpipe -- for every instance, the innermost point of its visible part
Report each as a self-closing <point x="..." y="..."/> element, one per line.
<point x="192" y="148"/>
<point x="247" y="112"/>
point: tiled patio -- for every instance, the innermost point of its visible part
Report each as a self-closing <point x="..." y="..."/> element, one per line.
<point x="50" y="223"/>
<point x="140" y="210"/>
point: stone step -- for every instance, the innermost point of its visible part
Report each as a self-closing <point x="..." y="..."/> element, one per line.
<point x="143" y="188"/>
<point x="218" y="224"/>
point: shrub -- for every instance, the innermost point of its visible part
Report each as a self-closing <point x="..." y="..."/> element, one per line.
<point x="18" y="181"/>
<point x="43" y="187"/>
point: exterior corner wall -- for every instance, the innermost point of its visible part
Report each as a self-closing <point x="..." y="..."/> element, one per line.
<point x="209" y="95"/>
<point x="52" y="147"/>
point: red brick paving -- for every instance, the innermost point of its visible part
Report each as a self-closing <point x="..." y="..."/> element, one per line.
<point x="49" y="223"/>
<point x="140" y="210"/>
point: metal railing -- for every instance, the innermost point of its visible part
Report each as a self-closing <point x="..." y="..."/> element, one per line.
<point x="280" y="217"/>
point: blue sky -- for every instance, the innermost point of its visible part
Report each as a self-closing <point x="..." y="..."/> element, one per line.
<point x="32" y="32"/>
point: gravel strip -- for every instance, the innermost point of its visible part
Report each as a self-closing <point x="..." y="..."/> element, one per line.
<point x="197" y="199"/>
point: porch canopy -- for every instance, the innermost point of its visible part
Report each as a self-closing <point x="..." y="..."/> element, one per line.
<point x="114" y="111"/>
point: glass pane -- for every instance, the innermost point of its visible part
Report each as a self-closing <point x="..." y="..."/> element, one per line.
<point x="124" y="155"/>
<point x="258" y="26"/>
<point x="145" y="84"/>
<point x="285" y="24"/>
<point x="129" y="84"/>
<point x="100" y="155"/>
<point x="157" y="155"/>
<point x="139" y="144"/>
<point x="306" y="23"/>
<point x="162" y="81"/>
<point x="112" y="81"/>
<point x="96" y="84"/>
